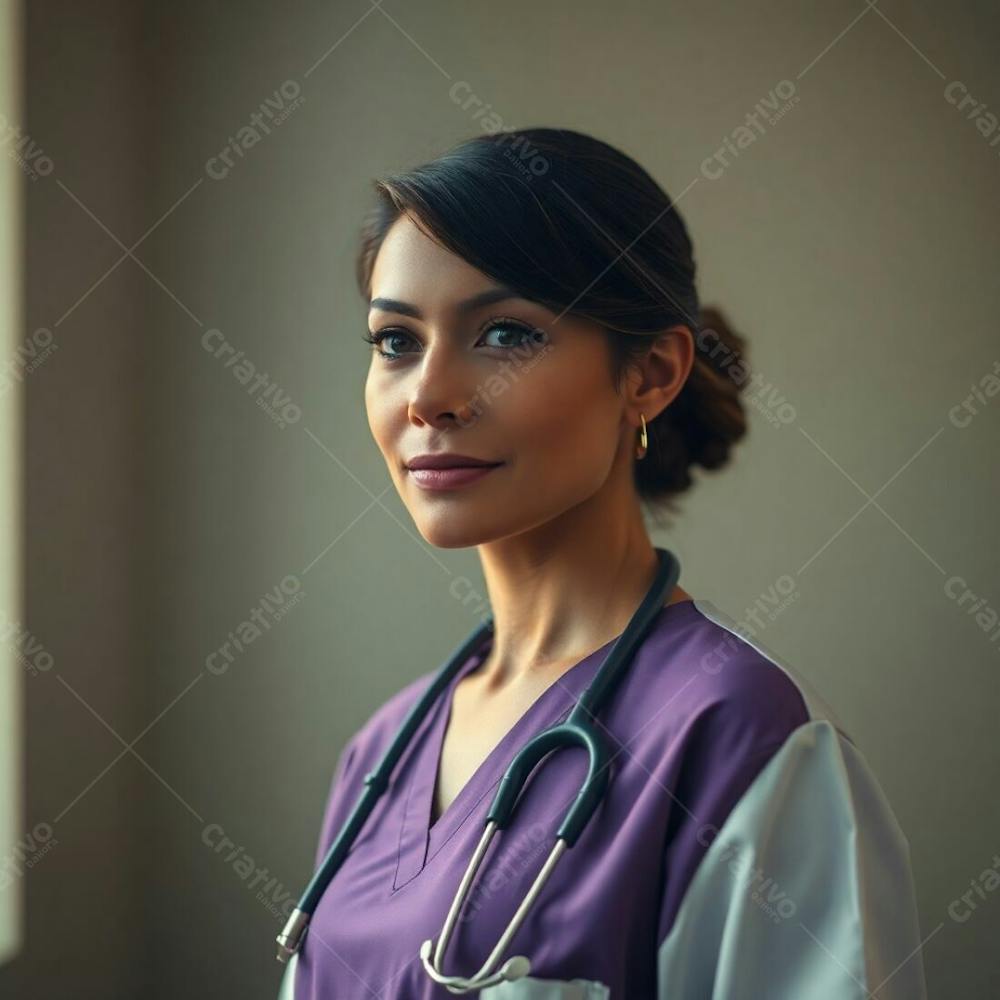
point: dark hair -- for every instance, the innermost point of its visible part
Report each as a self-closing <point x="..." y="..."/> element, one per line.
<point x="580" y="227"/>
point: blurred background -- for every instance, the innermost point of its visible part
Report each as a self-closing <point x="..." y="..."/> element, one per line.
<point x="179" y="177"/>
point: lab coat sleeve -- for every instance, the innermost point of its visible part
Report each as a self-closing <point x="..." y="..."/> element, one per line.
<point x="804" y="891"/>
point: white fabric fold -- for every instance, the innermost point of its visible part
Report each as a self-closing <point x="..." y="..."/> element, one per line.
<point x="806" y="891"/>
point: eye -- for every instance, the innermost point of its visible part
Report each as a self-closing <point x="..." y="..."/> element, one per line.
<point x="518" y="332"/>
<point x="376" y="339"/>
<point x="521" y="331"/>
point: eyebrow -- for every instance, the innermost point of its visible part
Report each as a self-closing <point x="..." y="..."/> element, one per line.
<point x="477" y="301"/>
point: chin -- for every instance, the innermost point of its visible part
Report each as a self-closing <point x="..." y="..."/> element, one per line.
<point x="447" y="534"/>
<point x="454" y="527"/>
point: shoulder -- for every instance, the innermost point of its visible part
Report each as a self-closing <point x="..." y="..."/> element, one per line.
<point x="776" y="795"/>
<point x="705" y="713"/>
<point x="699" y="688"/>
<point x="718" y="673"/>
<point x="811" y="845"/>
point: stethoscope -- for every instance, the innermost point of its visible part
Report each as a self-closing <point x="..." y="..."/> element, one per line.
<point x="576" y="730"/>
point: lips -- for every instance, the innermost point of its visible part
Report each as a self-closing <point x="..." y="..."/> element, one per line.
<point x="448" y="471"/>
<point x="449" y="460"/>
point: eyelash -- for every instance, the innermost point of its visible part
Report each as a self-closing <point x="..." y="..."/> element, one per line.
<point x="502" y="321"/>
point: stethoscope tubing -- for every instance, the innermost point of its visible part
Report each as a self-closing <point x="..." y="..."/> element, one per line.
<point x="377" y="781"/>
<point x="577" y="730"/>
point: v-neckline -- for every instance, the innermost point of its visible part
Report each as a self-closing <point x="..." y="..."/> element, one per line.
<point x="420" y="839"/>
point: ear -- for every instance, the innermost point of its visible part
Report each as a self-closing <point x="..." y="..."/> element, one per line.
<point x="661" y="375"/>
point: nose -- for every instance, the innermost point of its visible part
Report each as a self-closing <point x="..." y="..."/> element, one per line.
<point x="443" y="394"/>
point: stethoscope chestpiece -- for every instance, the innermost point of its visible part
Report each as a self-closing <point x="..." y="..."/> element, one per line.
<point x="577" y="730"/>
<point x="517" y="965"/>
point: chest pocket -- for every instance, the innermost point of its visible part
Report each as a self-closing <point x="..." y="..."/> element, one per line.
<point x="525" y="988"/>
<point x="530" y="988"/>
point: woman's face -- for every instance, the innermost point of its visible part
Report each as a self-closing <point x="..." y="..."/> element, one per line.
<point x="502" y="381"/>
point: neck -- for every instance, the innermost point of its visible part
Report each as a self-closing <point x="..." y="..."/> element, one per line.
<point x="560" y="594"/>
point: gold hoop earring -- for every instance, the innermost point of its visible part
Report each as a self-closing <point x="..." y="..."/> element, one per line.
<point x="643" y="440"/>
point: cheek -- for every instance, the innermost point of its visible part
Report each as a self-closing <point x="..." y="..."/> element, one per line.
<point x="378" y="405"/>
<point x="567" y="421"/>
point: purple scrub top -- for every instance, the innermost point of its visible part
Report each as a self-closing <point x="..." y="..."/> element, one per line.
<point x="722" y="755"/>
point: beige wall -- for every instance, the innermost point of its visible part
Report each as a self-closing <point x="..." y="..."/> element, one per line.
<point x="854" y="243"/>
<point x="85" y="650"/>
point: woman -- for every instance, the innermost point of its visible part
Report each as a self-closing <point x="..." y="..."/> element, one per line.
<point x="540" y="369"/>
